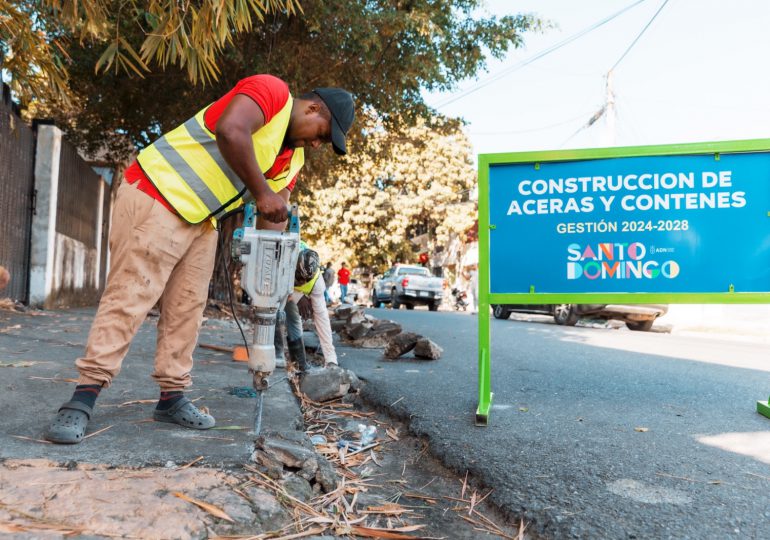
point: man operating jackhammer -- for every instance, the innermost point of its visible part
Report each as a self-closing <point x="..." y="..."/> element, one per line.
<point x="163" y="238"/>
<point x="308" y="285"/>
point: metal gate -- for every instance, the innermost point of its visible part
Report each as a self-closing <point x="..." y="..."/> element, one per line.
<point x="17" y="176"/>
<point x="78" y="197"/>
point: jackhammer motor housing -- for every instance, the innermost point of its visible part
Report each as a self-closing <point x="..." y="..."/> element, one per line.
<point x="269" y="259"/>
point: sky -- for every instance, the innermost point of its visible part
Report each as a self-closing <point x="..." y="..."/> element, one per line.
<point x="699" y="73"/>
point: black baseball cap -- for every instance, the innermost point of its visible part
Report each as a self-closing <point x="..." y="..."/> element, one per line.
<point x="340" y="104"/>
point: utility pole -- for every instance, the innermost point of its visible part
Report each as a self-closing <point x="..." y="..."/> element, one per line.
<point x="610" y="116"/>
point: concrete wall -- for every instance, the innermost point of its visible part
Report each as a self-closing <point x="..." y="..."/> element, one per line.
<point x="63" y="270"/>
<point x="751" y="320"/>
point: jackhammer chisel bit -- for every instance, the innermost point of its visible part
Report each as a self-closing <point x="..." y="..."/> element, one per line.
<point x="258" y="412"/>
<point x="260" y="385"/>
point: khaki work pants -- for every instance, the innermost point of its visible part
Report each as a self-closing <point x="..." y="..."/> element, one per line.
<point x="154" y="256"/>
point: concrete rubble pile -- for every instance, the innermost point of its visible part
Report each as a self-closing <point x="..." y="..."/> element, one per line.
<point x="324" y="384"/>
<point x="290" y="458"/>
<point x="359" y="329"/>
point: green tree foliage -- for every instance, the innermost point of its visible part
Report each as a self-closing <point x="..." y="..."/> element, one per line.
<point x="384" y="51"/>
<point x="415" y="184"/>
<point x="130" y="35"/>
<point x="33" y="53"/>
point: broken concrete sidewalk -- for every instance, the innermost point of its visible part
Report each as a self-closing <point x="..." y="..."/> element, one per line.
<point x="290" y="456"/>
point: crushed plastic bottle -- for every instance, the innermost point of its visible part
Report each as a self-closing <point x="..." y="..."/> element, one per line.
<point x="368" y="434"/>
<point x="318" y="439"/>
<point x="351" y="446"/>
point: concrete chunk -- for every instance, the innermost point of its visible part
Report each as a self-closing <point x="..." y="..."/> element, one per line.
<point x="384" y="327"/>
<point x="356" y="331"/>
<point x="277" y="451"/>
<point x="292" y="449"/>
<point x="356" y="317"/>
<point x="344" y="311"/>
<point x="401" y="344"/>
<point x="355" y="382"/>
<point x="298" y="487"/>
<point x="427" y="350"/>
<point x="372" y="342"/>
<point x="326" y="476"/>
<point x="324" y="384"/>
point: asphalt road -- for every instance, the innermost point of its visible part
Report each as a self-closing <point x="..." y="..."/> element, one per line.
<point x="594" y="432"/>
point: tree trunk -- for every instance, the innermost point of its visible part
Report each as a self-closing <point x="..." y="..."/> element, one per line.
<point x="225" y="269"/>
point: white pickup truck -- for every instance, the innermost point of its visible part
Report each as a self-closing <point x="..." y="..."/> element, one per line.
<point x="408" y="285"/>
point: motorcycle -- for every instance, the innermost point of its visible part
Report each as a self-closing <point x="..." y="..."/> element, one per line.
<point x="460" y="299"/>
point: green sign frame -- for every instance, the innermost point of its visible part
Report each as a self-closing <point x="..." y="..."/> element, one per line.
<point x="486" y="161"/>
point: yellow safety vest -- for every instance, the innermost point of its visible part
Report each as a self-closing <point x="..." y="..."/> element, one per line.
<point x="190" y="172"/>
<point x="308" y="287"/>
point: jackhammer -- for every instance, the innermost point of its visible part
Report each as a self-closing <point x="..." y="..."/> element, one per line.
<point x="269" y="259"/>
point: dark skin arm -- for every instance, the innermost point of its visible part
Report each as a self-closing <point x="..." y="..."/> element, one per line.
<point x="238" y="122"/>
<point x="264" y="225"/>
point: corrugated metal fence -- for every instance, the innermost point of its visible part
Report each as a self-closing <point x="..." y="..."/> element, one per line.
<point x="17" y="178"/>
<point x="78" y="197"/>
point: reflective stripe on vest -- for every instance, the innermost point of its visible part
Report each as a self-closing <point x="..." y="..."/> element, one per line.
<point x="308" y="287"/>
<point x="190" y="172"/>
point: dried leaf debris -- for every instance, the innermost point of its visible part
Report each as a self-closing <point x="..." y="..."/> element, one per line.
<point x="210" y="508"/>
<point x="341" y="512"/>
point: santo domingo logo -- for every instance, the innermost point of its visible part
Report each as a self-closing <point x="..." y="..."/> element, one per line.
<point x="616" y="261"/>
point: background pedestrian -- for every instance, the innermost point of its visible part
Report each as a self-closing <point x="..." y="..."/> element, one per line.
<point x="329" y="281"/>
<point x="343" y="275"/>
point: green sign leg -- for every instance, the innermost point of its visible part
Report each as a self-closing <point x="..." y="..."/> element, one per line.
<point x="485" y="371"/>
<point x="485" y="391"/>
<point x="763" y="408"/>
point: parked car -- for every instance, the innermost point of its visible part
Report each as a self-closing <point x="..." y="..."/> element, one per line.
<point x="410" y="286"/>
<point x="636" y="316"/>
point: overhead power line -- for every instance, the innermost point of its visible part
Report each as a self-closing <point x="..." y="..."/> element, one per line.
<point x="608" y="108"/>
<point x="640" y="35"/>
<point x="541" y="54"/>
<point x="532" y="130"/>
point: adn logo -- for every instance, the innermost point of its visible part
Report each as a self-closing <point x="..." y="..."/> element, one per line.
<point x="616" y="261"/>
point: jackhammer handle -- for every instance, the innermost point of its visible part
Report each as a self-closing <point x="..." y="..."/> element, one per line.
<point x="293" y="216"/>
<point x="291" y="210"/>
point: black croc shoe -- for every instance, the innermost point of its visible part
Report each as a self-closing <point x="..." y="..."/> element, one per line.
<point x="69" y="426"/>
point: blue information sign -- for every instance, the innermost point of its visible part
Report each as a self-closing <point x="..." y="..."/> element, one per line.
<point x="662" y="224"/>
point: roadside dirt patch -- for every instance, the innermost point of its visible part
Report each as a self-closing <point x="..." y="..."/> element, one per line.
<point x="46" y="500"/>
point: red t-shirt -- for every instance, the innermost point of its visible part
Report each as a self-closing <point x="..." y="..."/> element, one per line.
<point x="343" y="274"/>
<point x="270" y="93"/>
